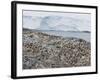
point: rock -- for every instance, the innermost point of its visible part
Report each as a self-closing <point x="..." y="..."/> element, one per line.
<point x="41" y="50"/>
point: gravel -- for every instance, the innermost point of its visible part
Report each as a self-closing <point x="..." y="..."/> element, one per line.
<point x="41" y="50"/>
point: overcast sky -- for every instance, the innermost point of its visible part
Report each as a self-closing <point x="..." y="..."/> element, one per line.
<point x="36" y="19"/>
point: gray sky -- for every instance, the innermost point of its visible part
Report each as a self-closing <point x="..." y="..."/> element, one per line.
<point x="35" y="19"/>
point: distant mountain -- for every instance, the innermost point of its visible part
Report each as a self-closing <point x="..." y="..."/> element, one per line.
<point x="86" y="31"/>
<point x="41" y="30"/>
<point x="26" y="29"/>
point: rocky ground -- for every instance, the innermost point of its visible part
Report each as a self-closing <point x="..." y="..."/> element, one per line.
<point x="47" y="51"/>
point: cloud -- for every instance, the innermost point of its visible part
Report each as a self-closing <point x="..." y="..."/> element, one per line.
<point x="56" y="21"/>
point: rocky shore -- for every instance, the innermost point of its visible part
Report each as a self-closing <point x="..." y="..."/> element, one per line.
<point x="41" y="50"/>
